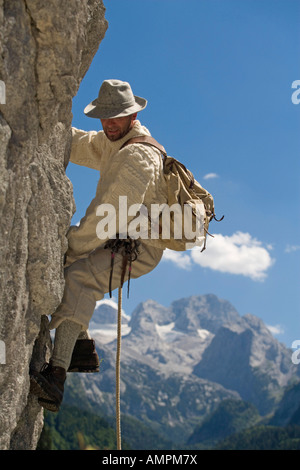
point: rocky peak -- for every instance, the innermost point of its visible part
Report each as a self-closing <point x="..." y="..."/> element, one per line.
<point x="245" y="357"/>
<point x="147" y="314"/>
<point x="203" y="312"/>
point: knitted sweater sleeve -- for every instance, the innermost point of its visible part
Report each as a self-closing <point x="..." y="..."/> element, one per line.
<point x="84" y="151"/>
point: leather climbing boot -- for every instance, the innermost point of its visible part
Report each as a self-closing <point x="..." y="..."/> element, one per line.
<point x="48" y="386"/>
<point x="84" y="357"/>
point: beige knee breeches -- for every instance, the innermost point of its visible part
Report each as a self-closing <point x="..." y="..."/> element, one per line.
<point x="87" y="280"/>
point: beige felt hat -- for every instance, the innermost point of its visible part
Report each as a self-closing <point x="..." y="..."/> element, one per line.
<point x="115" y="99"/>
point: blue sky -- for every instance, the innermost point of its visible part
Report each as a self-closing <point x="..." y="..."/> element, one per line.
<point x="218" y="78"/>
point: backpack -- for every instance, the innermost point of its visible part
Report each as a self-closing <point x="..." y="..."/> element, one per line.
<point x="192" y="202"/>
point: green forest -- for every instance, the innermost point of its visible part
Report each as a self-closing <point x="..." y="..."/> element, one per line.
<point x="76" y="429"/>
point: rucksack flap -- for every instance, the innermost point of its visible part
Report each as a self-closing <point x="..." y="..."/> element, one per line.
<point x="190" y="207"/>
<point x="184" y="189"/>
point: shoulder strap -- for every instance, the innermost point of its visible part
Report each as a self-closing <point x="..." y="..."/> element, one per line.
<point x="145" y="139"/>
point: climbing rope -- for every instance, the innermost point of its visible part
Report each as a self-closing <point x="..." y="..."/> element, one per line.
<point x="118" y="361"/>
<point x="129" y="249"/>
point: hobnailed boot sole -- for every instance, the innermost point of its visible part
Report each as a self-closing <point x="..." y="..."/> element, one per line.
<point x="43" y="398"/>
<point x="84" y="358"/>
<point x="37" y="385"/>
<point x="49" y="405"/>
<point x="41" y="389"/>
<point x="84" y="369"/>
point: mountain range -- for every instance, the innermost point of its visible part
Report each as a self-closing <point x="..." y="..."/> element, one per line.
<point x="179" y="363"/>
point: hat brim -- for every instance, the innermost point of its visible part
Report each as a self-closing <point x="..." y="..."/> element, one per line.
<point x="94" y="110"/>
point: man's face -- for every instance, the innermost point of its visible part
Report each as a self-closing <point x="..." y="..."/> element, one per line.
<point x="116" y="128"/>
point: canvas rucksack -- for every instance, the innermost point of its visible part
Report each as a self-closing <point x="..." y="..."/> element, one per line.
<point x="183" y="190"/>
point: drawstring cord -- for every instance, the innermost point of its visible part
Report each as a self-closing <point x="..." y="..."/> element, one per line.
<point x="127" y="247"/>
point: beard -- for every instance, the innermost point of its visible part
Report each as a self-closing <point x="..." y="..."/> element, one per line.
<point x="118" y="133"/>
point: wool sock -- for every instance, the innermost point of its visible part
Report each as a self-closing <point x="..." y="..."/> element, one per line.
<point x="84" y="334"/>
<point x="65" y="338"/>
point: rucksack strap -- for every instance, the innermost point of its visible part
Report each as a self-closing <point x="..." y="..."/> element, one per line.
<point x="145" y="139"/>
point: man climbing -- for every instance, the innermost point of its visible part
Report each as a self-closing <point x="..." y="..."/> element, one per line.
<point x="134" y="172"/>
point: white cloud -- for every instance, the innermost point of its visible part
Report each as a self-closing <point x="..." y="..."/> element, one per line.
<point x="291" y="248"/>
<point x="181" y="259"/>
<point x="236" y="254"/>
<point x="209" y="176"/>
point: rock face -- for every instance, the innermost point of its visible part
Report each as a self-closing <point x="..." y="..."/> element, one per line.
<point x="245" y="357"/>
<point x="46" y="47"/>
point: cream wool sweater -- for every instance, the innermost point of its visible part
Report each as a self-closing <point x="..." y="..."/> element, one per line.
<point x="135" y="171"/>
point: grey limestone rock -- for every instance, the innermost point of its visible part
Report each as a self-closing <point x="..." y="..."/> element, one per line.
<point x="46" y="47"/>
